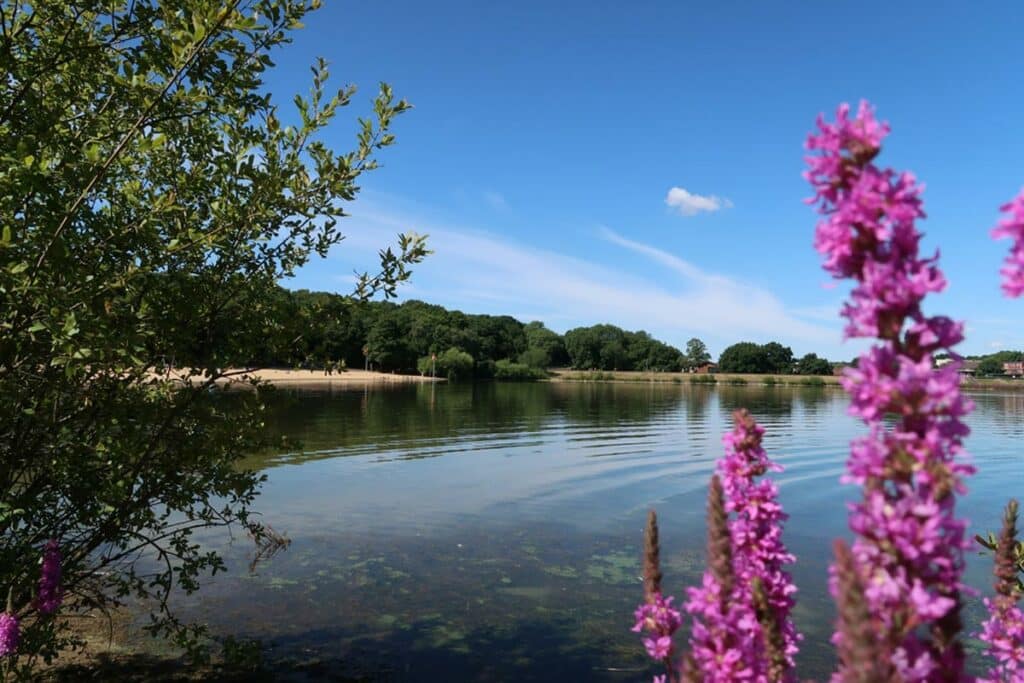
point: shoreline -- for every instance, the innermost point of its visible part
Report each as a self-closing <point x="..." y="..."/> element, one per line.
<point x="286" y="377"/>
<point x="566" y="375"/>
<point x="237" y="377"/>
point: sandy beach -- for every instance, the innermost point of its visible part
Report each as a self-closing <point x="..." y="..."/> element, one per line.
<point x="294" y="377"/>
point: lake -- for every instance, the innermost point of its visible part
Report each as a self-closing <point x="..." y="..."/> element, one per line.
<point x="493" y="531"/>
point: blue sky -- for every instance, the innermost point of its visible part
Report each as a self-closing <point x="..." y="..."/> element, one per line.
<point x="640" y="163"/>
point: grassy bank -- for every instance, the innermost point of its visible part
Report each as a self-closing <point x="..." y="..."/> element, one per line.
<point x="562" y="375"/>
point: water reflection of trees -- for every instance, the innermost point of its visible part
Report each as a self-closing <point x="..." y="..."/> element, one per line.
<point x="763" y="401"/>
<point x="812" y="400"/>
<point x="340" y="419"/>
<point x="1003" y="412"/>
<point x="778" y="400"/>
<point x="608" y="403"/>
<point x="696" y="401"/>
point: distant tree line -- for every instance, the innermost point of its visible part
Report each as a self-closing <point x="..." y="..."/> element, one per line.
<point x="325" y="330"/>
<point x="320" y="329"/>
<point x="770" y="358"/>
<point x="607" y="347"/>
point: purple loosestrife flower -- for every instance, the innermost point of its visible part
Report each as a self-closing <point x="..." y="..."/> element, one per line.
<point x="1004" y="633"/>
<point x="910" y="544"/>
<point x="1012" y="226"/>
<point x="50" y="592"/>
<point x="652" y="558"/>
<point x="10" y="634"/>
<point x="725" y="641"/>
<point x="756" y="532"/>
<point x="1004" y="629"/>
<point x="860" y="660"/>
<point x="656" y="615"/>
<point x="657" y="618"/>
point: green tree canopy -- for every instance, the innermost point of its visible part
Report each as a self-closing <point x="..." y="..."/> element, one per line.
<point x="756" y="358"/>
<point x="744" y="357"/>
<point x="607" y="347"/>
<point x="779" y="357"/>
<point x="990" y="366"/>
<point x="152" y="196"/>
<point x="810" y="364"/>
<point x="551" y="344"/>
<point x="696" y="353"/>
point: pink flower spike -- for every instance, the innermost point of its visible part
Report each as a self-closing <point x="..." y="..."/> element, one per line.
<point x="910" y="544"/>
<point x="50" y="594"/>
<point x="1012" y="227"/>
<point x="10" y="634"/>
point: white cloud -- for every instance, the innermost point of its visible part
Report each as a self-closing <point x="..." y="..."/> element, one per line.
<point x="690" y="204"/>
<point x="481" y="272"/>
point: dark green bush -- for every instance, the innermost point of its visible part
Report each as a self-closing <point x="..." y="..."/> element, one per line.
<point x="506" y="370"/>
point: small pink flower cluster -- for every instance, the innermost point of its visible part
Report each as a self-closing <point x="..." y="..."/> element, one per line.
<point x="10" y="634"/>
<point x="725" y="640"/>
<point x="728" y="642"/>
<point x="48" y="599"/>
<point x="910" y="544"/>
<point x="660" y="621"/>
<point x="742" y="630"/>
<point x="1004" y="633"/>
<point x="50" y="593"/>
<point x="756" y="529"/>
<point x="1012" y="226"/>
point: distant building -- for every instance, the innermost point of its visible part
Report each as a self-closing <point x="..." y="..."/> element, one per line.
<point x="943" y="361"/>
<point x="1014" y="368"/>
<point x="706" y="369"/>
<point x="969" y="368"/>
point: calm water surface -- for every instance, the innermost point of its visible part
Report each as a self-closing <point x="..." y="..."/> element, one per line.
<point x="492" y="532"/>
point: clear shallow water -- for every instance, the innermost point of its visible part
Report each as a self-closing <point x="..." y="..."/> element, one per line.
<point x="493" y="532"/>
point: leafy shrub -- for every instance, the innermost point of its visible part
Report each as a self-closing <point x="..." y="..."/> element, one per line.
<point x="506" y="370"/>
<point x="454" y="365"/>
<point x="152" y="201"/>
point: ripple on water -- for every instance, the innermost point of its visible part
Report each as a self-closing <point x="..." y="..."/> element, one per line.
<point x="492" y="532"/>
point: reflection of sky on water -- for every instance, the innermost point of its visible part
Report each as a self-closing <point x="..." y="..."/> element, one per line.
<point x="503" y="518"/>
<point x="585" y="462"/>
